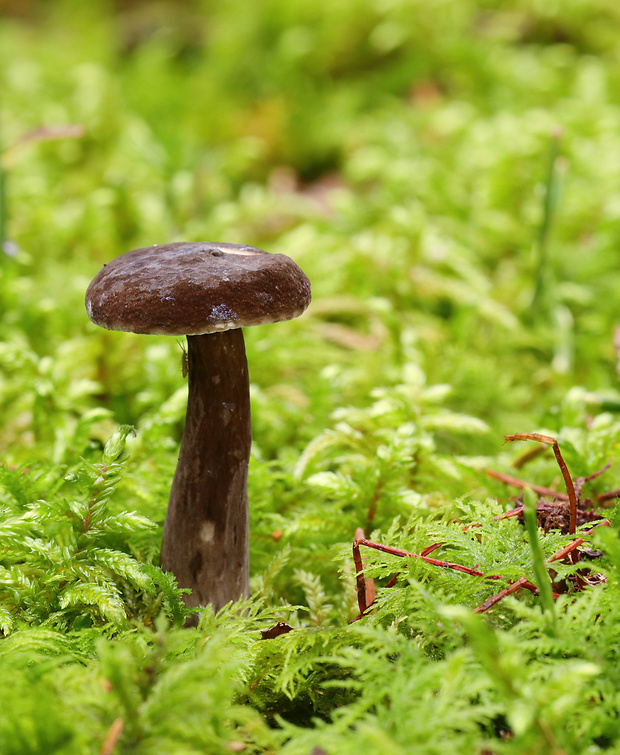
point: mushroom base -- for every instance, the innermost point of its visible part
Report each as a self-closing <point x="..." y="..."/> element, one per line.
<point x="205" y="541"/>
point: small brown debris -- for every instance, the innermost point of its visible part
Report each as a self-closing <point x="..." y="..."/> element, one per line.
<point x="276" y="631"/>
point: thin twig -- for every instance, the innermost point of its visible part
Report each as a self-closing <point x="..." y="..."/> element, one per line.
<point x="359" y="577"/>
<point x="431" y="548"/>
<point x="517" y="483"/>
<point x="598" y="473"/>
<point x="527" y="456"/>
<point x="522" y="582"/>
<point x="581" y="481"/>
<point x="490" y="602"/>
<point x="608" y="496"/>
<point x="426" y="559"/>
<point x="370" y="592"/>
<point x="568" y="480"/>
<point x="566" y="550"/>
<point x="576" y="543"/>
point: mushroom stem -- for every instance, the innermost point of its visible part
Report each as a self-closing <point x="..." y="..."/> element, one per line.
<point x="205" y="541"/>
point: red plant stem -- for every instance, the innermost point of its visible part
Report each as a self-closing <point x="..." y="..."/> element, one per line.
<point x="508" y="514"/>
<point x="522" y="582"/>
<point x="359" y="577"/>
<point x="570" y="489"/>
<point x="608" y="496"/>
<point x="490" y="602"/>
<point x="527" y="456"/>
<point x="532" y="588"/>
<point x="517" y="483"/>
<point x="576" y="543"/>
<point x="567" y="550"/>
<point x="432" y="561"/>
<point x="594" y="475"/>
<point x="541" y="490"/>
<point x="431" y="548"/>
<point x="568" y="480"/>
<point x="370" y="592"/>
<point x="361" y="581"/>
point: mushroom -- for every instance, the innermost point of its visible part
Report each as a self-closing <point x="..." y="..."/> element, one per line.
<point x="207" y="292"/>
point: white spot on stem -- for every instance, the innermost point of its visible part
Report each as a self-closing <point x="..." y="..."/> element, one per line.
<point x="207" y="530"/>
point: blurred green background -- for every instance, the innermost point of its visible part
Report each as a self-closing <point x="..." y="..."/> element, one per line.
<point x="398" y="150"/>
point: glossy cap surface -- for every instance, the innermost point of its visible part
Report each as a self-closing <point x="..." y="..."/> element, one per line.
<point x="194" y="288"/>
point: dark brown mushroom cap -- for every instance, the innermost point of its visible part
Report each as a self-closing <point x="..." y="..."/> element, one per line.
<point x="194" y="288"/>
